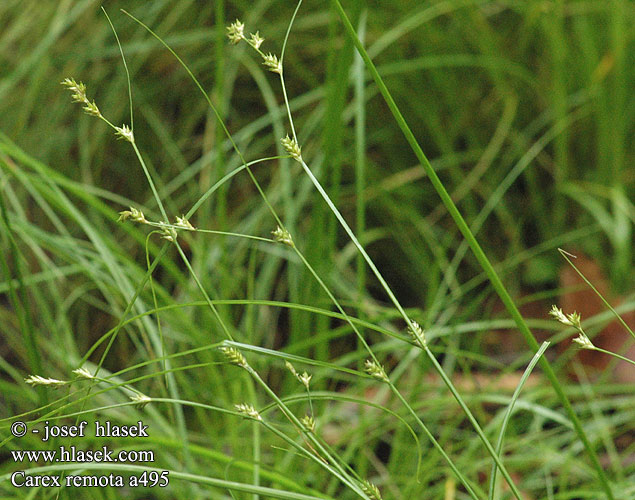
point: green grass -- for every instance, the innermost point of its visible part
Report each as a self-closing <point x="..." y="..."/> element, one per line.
<point x="448" y="150"/>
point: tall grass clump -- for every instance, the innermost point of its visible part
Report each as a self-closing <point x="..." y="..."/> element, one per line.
<point x="314" y="247"/>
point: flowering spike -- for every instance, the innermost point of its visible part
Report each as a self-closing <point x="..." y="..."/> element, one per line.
<point x="132" y="214"/>
<point x="141" y="400"/>
<point x="272" y="63"/>
<point x="292" y="148"/>
<point x="255" y="40"/>
<point x="575" y="319"/>
<point x="234" y="356"/>
<point x="417" y="334"/>
<point x="167" y="232"/>
<point x="305" y="379"/>
<point x="291" y="368"/>
<point x="248" y="411"/>
<point x="371" y="490"/>
<point x="376" y="371"/>
<point x="572" y="319"/>
<point x="184" y="223"/>
<point x="83" y="373"/>
<point x="236" y="32"/>
<point x="34" y="380"/>
<point x="558" y="315"/>
<point x="79" y="95"/>
<point x="308" y="422"/>
<point x="124" y="132"/>
<point x="78" y="89"/>
<point x="583" y="341"/>
<point x="282" y="236"/>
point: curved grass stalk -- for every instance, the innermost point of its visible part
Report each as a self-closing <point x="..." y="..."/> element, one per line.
<point x="393" y="389"/>
<point x="500" y="190"/>
<point x="334" y="469"/>
<point x="288" y="414"/>
<point x="366" y="257"/>
<point x="508" y="414"/>
<point x="276" y="478"/>
<point x="476" y="249"/>
<point x="398" y="306"/>
<point x="567" y="256"/>
<point x="342" y="475"/>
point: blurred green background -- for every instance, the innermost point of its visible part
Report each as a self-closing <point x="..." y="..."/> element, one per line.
<point x="525" y="109"/>
<point x="545" y="87"/>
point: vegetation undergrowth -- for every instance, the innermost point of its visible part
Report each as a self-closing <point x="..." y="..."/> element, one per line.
<point x="260" y="272"/>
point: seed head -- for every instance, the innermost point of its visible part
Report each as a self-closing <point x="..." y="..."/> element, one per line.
<point x="291" y="368"/>
<point x="79" y="95"/>
<point x="282" y="236"/>
<point x="572" y="319"/>
<point x="34" y="380"/>
<point x="236" y="32"/>
<point x="417" y="334"/>
<point x="132" y="214"/>
<point x="308" y="422"/>
<point x="234" y="356"/>
<point x="124" y="132"/>
<point x="292" y="148"/>
<point x="575" y="319"/>
<point x="304" y="379"/>
<point x="583" y="341"/>
<point x="140" y="400"/>
<point x="184" y="223"/>
<point x="376" y="371"/>
<point x="255" y="40"/>
<point x="167" y="232"/>
<point x="83" y="373"/>
<point x="248" y="411"/>
<point x="92" y="109"/>
<point x="78" y="90"/>
<point x="371" y="490"/>
<point x="272" y="63"/>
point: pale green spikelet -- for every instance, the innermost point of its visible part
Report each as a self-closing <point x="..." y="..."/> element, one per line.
<point x="236" y="32"/>
<point x="305" y="378"/>
<point x="282" y="236"/>
<point x="557" y="313"/>
<point x="272" y="63"/>
<point x="583" y="341"/>
<point x="291" y="368"/>
<point x="292" y="148"/>
<point x="371" y="490"/>
<point x="34" y="380"/>
<point x="234" y="356"/>
<point x="417" y="334"/>
<point x="248" y="411"/>
<point x="375" y="370"/>
<point x="124" y="132"/>
<point x="83" y="373"/>
<point x="79" y="95"/>
<point x="255" y="40"/>
<point x="140" y="400"/>
<point x="167" y="232"/>
<point x="92" y="109"/>
<point x="308" y="422"/>
<point x="572" y="319"/>
<point x="575" y="319"/>
<point x="182" y="222"/>
<point x="132" y="214"/>
<point x="78" y="90"/>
